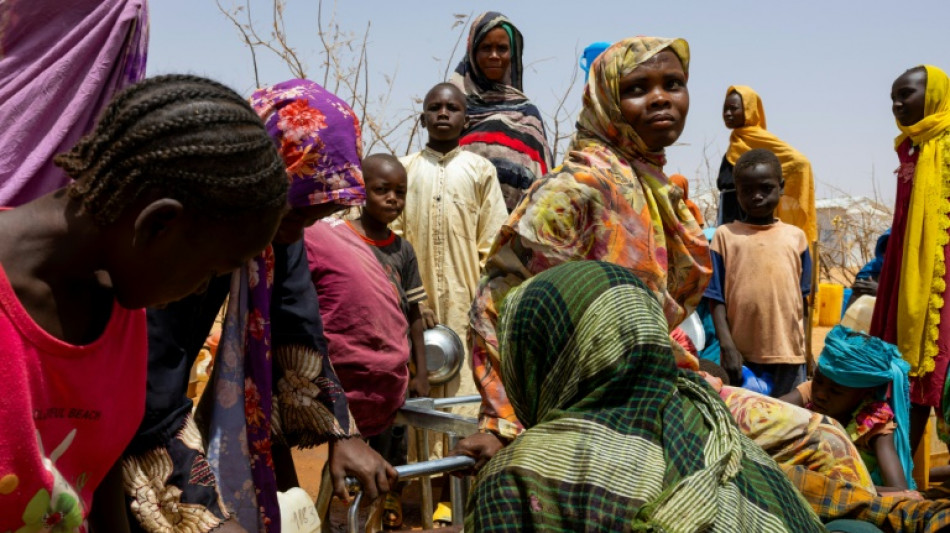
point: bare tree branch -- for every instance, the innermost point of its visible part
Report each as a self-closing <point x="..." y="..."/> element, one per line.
<point x="559" y="121"/>
<point x="244" y="36"/>
<point x="460" y="20"/>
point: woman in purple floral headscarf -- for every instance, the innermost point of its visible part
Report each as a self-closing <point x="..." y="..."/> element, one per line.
<point x="272" y="386"/>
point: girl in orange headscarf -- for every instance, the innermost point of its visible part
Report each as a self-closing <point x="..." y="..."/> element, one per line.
<point x="680" y="181"/>
<point x="744" y="115"/>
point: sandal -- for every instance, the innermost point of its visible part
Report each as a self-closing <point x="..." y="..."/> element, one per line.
<point x="442" y="517"/>
<point x="392" y="511"/>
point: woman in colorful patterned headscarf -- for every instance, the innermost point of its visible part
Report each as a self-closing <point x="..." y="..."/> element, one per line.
<point x="638" y="445"/>
<point x="744" y="114"/>
<point x="273" y="385"/>
<point x="609" y="201"/>
<point x="913" y="287"/>
<point x="503" y="125"/>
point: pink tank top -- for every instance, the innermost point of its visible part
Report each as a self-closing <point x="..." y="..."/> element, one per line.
<point x="66" y="412"/>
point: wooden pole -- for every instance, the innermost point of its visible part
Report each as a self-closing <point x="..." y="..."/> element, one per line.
<point x="809" y="354"/>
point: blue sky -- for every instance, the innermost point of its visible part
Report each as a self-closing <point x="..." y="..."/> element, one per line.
<point x="823" y="68"/>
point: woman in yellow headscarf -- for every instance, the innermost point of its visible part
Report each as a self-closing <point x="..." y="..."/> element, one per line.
<point x="744" y="115"/>
<point x="910" y="310"/>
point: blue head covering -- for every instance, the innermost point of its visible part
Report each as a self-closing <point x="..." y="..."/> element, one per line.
<point x="873" y="267"/>
<point x="857" y="360"/>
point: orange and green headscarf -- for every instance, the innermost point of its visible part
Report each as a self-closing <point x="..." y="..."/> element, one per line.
<point x="923" y="271"/>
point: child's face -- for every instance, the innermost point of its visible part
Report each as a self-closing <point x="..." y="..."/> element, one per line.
<point x="385" y="192"/>
<point x="835" y="400"/>
<point x="732" y="113"/>
<point x="443" y="114"/>
<point x="758" y="190"/>
<point x="493" y="55"/>
<point x="908" y="95"/>
<point x="655" y="101"/>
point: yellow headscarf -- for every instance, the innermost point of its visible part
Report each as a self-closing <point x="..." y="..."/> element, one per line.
<point x="797" y="206"/>
<point x="922" y="284"/>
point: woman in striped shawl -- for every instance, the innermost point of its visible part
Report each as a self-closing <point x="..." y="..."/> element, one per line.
<point x="503" y="125"/>
<point x="617" y="438"/>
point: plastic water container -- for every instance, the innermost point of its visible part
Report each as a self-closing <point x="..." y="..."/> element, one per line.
<point x="297" y="512"/>
<point x="762" y="385"/>
<point x="590" y="54"/>
<point x="829" y="304"/>
<point x="858" y="316"/>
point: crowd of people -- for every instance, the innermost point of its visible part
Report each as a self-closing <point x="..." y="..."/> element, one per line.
<point x="173" y="198"/>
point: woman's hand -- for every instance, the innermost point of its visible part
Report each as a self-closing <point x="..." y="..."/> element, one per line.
<point x="353" y="457"/>
<point x="863" y="287"/>
<point x="713" y="381"/>
<point x="481" y="447"/>
<point x="904" y="494"/>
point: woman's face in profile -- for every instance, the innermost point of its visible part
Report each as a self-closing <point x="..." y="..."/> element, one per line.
<point x="654" y="100"/>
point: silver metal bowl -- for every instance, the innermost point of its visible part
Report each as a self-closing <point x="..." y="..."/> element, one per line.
<point x="444" y="352"/>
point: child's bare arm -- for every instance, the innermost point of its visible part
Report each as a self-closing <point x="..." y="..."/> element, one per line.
<point x="892" y="473"/>
<point x="730" y="358"/>
<point x="794" y="397"/>
<point x="419" y="384"/>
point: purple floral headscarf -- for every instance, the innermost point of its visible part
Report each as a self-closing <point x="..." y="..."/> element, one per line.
<point x="319" y="137"/>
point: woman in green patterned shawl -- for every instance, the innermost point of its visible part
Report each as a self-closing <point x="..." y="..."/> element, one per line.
<point x="616" y="437"/>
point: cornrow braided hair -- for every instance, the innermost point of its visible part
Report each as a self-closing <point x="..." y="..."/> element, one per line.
<point x="187" y="138"/>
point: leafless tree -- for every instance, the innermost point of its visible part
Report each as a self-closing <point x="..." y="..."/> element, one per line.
<point x="563" y="117"/>
<point x="346" y="70"/>
<point x="848" y="233"/>
<point x="706" y="194"/>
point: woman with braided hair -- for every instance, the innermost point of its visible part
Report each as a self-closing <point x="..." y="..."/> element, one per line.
<point x="177" y="182"/>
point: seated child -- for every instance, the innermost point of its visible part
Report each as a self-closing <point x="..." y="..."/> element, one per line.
<point x="761" y="278"/>
<point x="851" y="385"/>
<point x="385" y="180"/>
<point x="177" y="182"/>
